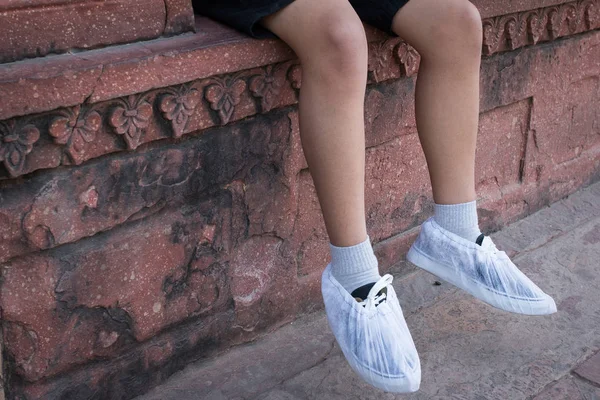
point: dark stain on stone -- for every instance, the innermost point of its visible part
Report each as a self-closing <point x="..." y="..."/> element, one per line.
<point x="569" y="305"/>
<point x="593" y="236"/>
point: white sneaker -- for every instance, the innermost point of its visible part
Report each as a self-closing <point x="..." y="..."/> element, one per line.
<point x="478" y="268"/>
<point x="372" y="333"/>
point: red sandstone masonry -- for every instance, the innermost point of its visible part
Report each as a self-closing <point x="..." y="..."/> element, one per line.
<point x="147" y="260"/>
<point x="497" y="8"/>
<point x="73" y="135"/>
<point x="32" y="86"/>
<point x="36" y="28"/>
<point x="27" y="225"/>
<point x="260" y="214"/>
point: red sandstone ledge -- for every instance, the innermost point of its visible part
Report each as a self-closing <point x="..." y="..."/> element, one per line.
<point x="38" y="85"/>
<point x="33" y="28"/>
<point x="496" y="8"/>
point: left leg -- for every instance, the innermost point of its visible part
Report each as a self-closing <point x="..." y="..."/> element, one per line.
<point x="448" y="35"/>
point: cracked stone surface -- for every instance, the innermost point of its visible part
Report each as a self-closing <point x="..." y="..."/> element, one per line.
<point x="468" y="350"/>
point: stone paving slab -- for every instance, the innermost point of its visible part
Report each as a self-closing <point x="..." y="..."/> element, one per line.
<point x="468" y="350"/>
<point x="590" y="370"/>
<point x="569" y="388"/>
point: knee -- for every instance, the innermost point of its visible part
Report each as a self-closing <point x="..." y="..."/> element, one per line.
<point x="459" y="31"/>
<point x="340" y="48"/>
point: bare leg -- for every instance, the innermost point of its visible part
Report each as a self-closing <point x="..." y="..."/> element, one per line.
<point x="330" y="41"/>
<point x="447" y="34"/>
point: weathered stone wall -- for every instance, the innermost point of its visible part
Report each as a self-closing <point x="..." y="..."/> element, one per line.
<point x="143" y="226"/>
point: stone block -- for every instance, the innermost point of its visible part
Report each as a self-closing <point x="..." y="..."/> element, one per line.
<point x="121" y="377"/>
<point x="74" y="305"/>
<point x="65" y="206"/>
<point x="180" y="17"/>
<point x="590" y="369"/>
<point x="309" y="240"/>
<point x="37" y="28"/>
<point x="501" y="145"/>
<point x="385" y="119"/>
<point x="398" y="192"/>
<point x="492" y="8"/>
<point x="263" y="283"/>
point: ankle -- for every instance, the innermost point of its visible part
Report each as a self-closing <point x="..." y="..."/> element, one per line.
<point x="460" y="219"/>
<point x="354" y="266"/>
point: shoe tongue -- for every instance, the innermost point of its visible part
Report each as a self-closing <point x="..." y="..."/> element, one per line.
<point x="479" y="240"/>
<point x="361" y="293"/>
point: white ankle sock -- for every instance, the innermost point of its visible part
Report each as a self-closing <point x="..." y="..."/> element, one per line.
<point x="354" y="266"/>
<point x="460" y="219"/>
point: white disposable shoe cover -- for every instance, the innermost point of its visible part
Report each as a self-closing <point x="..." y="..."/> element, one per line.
<point x="373" y="335"/>
<point x="483" y="271"/>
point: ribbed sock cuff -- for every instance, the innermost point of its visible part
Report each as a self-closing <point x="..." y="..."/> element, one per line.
<point x="353" y="259"/>
<point x="460" y="219"/>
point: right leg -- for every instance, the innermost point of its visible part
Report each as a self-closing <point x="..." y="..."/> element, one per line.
<point x="330" y="41"/>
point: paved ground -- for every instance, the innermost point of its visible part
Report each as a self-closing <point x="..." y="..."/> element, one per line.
<point x="468" y="350"/>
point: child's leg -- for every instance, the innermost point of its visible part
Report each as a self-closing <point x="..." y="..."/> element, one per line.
<point x="448" y="36"/>
<point x="329" y="39"/>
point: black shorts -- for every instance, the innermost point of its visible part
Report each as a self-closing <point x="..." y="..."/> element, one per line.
<point x="244" y="15"/>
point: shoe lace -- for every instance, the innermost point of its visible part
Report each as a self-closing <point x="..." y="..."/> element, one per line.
<point x="490" y="246"/>
<point x="374" y="298"/>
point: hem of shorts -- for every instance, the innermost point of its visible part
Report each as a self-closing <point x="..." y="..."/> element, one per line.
<point x="393" y="7"/>
<point x="258" y="31"/>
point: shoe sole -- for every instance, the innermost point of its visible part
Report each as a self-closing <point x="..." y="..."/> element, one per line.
<point x="410" y="383"/>
<point x="391" y="385"/>
<point x="520" y="306"/>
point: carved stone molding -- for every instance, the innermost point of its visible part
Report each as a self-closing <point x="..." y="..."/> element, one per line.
<point x="223" y="94"/>
<point x="391" y="59"/>
<point x="16" y="141"/>
<point x="75" y="131"/>
<point x="267" y="86"/>
<point x="130" y="119"/>
<point x="509" y="32"/>
<point x="295" y="76"/>
<point x="178" y="105"/>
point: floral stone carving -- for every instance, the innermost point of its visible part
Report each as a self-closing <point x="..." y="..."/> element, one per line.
<point x="131" y="118"/>
<point x="178" y="105"/>
<point x="75" y="131"/>
<point x="223" y="94"/>
<point x="16" y="141"/>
